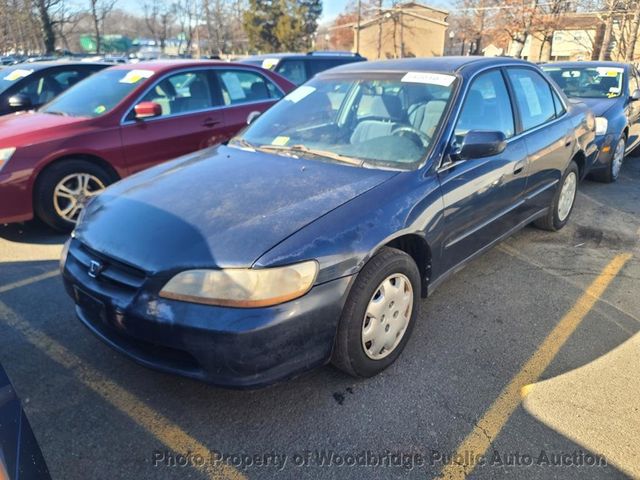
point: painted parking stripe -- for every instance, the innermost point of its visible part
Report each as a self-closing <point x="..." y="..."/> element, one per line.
<point x="28" y="281"/>
<point x="167" y="432"/>
<point x="489" y="426"/>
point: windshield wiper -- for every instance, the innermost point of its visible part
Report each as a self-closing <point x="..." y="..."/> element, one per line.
<point x="312" y="151"/>
<point x="54" y="112"/>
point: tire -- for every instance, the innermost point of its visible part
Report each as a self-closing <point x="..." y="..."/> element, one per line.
<point x="612" y="171"/>
<point x="350" y="350"/>
<point x="48" y="205"/>
<point x="555" y="219"/>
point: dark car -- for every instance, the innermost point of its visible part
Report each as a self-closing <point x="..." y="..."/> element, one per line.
<point x="29" y="86"/>
<point x="299" y="67"/>
<point x="20" y="455"/>
<point x="612" y="91"/>
<point x="312" y="236"/>
<point x="117" y="122"/>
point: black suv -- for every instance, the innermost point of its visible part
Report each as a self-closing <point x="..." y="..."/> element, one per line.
<point x="300" y="67"/>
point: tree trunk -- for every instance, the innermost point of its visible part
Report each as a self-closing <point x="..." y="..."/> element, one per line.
<point x="606" y="40"/>
<point x="633" y="38"/>
<point x="48" y="34"/>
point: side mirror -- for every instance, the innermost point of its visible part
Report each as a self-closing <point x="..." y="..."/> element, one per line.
<point x="147" y="110"/>
<point x="635" y="95"/>
<point x="479" y="144"/>
<point x="252" y="117"/>
<point x="20" y="102"/>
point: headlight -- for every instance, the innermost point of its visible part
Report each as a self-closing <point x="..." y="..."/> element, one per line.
<point x="242" y="287"/>
<point x="601" y="125"/>
<point x="5" y="155"/>
<point x="65" y="253"/>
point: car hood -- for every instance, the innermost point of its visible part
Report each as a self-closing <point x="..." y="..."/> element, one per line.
<point x="25" y="128"/>
<point x="221" y="207"/>
<point x="599" y="106"/>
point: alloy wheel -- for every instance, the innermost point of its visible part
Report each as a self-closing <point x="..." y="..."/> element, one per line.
<point x="72" y="193"/>
<point x="567" y="196"/>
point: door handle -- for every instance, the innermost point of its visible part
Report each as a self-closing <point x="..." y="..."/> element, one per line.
<point x="210" y="122"/>
<point x="519" y="168"/>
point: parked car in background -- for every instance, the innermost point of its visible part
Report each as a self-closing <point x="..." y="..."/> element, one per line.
<point x="29" y="86"/>
<point x="298" y="67"/>
<point x="312" y="235"/>
<point x="612" y="91"/>
<point x="20" y="455"/>
<point x="120" y="121"/>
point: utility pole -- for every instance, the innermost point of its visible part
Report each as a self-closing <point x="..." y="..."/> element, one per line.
<point x="358" y="27"/>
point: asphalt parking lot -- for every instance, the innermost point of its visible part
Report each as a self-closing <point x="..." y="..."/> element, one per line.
<point x="524" y="363"/>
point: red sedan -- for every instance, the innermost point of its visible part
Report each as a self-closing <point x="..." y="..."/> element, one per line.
<point x="120" y="121"/>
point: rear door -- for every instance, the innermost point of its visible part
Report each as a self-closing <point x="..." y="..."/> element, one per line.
<point x="548" y="132"/>
<point x="483" y="197"/>
<point x="243" y="91"/>
<point x="192" y="118"/>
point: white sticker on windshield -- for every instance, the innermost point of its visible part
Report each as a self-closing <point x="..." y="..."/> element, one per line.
<point x="17" y="74"/>
<point x="134" y="76"/>
<point x="269" y="63"/>
<point x="300" y="93"/>
<point x="609" y="71"/>
<point x="429" y="78"/>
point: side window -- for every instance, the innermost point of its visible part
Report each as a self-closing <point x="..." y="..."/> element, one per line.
<point x="487" y="106"/>
<point x="183" y="92"/>
<point x="560" y="110"/>
<point x="320" y="65"/>
<point x="292" y="70"/>
<point x="243" y="86"/>
<point x="533" y="96"/>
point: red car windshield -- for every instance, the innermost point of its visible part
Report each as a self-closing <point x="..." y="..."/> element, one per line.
<point x="98" y="94"/>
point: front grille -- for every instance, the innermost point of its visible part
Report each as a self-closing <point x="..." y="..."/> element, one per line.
<point x="116" y="274"/>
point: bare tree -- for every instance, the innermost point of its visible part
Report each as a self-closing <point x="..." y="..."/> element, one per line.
<point x="99" y="10"/>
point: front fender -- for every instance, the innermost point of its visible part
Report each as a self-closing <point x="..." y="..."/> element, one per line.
<point x="346" y="238"/>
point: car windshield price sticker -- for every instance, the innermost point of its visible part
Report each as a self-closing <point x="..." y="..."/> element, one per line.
<point x="134" y="76"/>
<point x="18" y="74"/>
<point x="429" y="78"/>
<point x="300" y="93"/>
<point x="233" y="86"/>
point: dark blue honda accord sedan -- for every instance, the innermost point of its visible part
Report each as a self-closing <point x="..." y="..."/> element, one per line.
<point x="612" y="91"/>
<point x="311" y="236"/>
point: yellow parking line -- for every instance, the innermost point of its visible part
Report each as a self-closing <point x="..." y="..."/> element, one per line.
<point x="489" y="426"/>
<point x="167" y="432"/>
<point x="28" y="281"/>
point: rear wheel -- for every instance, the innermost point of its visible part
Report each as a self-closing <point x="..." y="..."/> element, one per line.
<point x="64" y="188"/>
<point x="379" y="314"/>
<point x="563" y="201"/>
<point x="612" y="171"/>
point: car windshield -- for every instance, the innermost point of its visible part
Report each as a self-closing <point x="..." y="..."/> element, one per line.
<point x="98" y="94"/>
<point x="588" y="82"/>
<point x="11" y="75"/>
<point x="382" y="120"/>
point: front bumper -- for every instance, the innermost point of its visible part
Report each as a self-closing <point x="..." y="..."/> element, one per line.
<point x="606" y="146"/>
<point x="231" y="347"/>
<point x="15" y="197"/>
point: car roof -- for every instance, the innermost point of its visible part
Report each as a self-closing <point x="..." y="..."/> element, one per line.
<point x="590" y="64"/>
<point x="35" y="66"/>
<point x="167" y="65"/>
<point x="320" y="54"/>
<point x="434" y="64"/>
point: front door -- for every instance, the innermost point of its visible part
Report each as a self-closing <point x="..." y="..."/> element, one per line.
<point x="192" y="118"/>
<point x="482" y="197"/>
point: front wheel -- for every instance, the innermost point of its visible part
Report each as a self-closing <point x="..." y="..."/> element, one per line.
<point x="563" y="201"/>
<point x="378" y="315"/>
<point x="64" y="188"/>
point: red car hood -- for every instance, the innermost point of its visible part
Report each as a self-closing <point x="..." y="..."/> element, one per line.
<point x="26" y="128"/>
